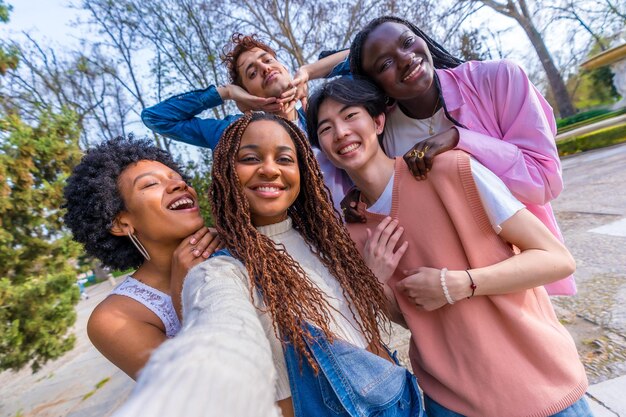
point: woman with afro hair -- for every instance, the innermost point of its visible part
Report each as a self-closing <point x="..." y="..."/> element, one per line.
<point x="129" y="205"/>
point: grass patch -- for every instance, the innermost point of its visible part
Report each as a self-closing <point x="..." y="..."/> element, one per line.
<point x="89" y="394"/>
<point x="597" y="139"/>
<point x="98" y="386"/>
<point x="120" y="273"/>
<point x="585" y="118"/>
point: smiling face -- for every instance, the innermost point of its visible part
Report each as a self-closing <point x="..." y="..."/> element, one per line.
<point x="267" y="167"/>
<point x="399" y="61"/>
<point x="160" y="207"/>
<point x="261" y="74"/>
<point x="348" y="134"/>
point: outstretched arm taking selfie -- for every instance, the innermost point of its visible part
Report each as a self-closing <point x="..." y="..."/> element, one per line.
<point x="220" y="363"/>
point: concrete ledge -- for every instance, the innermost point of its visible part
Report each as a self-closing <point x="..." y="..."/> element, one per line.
<point x="609" y="397"/>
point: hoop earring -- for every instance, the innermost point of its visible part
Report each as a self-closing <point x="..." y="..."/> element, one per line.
<point x="139" y="246"/>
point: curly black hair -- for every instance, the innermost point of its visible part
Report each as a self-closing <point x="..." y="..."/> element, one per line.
<point x="93" y="199"/>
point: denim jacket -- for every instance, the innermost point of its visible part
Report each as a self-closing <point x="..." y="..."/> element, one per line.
<point x="176" y="118"/>
<point x="351" y="382"/>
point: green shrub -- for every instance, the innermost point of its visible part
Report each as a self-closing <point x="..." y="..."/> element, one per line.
<point x="598" y="139"/>
<point x="562" y="128"/>
<point x="579" y="117"/>
<point x="120" y="273"/>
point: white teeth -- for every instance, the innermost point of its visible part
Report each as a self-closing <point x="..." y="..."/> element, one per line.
<point x="268" y="189"/>
<point x="412" y="73"/>
<point x="180" y="202"/>
<point x="349" y="148"/>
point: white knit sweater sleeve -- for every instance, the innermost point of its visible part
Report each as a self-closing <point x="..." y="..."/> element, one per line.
<point x="220" y="364"/>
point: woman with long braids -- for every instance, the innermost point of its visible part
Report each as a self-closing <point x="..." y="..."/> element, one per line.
<point x="485" y="341"/>
<point x="289" y="314"/>
<point x="489" y="109"/>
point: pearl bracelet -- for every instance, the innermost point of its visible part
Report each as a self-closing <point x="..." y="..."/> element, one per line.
<point x="444" y="287"/>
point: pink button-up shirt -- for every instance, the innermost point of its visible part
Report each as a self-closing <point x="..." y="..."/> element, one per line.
<point x="510" y="129"/>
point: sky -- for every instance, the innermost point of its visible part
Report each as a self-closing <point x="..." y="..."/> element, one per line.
<point x="51" y="23"/>
<point x="45" y="19"/>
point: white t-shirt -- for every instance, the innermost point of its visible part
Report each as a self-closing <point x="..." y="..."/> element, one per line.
<point x="403" y="132"/>
<point x="497" y="200"/>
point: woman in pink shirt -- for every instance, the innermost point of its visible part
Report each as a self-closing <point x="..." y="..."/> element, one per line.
<point x="488" y="109"/>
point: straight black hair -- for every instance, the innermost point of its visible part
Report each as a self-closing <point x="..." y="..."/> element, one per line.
<point x="352" y="92"/>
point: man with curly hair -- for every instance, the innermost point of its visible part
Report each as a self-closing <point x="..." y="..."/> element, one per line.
<point x="258" y="81"/>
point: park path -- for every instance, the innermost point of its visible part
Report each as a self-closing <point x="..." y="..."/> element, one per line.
<point x="67" y="387"/>
<point x="592" y="214"/>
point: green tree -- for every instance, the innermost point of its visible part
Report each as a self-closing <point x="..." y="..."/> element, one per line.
<point x="8" y="54"/>
<point x="37" y="280"/>
<point x="593" y="88"/>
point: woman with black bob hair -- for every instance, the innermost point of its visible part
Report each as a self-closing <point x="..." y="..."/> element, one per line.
<point x="129" y="205"/>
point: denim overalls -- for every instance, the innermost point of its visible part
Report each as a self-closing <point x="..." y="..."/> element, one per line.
<point x="351" y="382"/>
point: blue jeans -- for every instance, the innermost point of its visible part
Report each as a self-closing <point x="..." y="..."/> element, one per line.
<point x="579" y="409"/>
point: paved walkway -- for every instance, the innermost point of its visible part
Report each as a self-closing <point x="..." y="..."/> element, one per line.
<point x="592" y="214"/>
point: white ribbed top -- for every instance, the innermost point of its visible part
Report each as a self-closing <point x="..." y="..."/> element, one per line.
<point x="226" y="360"/>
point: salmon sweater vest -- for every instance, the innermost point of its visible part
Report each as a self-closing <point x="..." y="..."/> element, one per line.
<point x="488" y="356"/>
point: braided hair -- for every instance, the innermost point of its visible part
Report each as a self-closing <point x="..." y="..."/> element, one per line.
<point x="441" y="57"/>
<point x="291" y="299"/>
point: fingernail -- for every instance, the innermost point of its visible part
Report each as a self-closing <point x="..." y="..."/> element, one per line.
<point x="193" y="241"/>
<point x="196" y="253"/>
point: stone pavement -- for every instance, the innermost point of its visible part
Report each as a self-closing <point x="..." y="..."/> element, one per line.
<point x="592" y="214"/>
